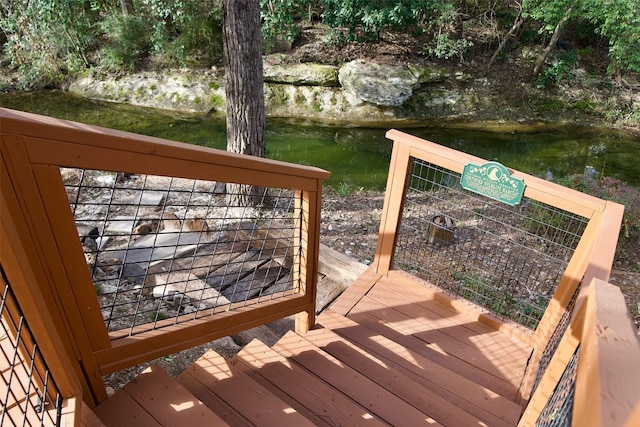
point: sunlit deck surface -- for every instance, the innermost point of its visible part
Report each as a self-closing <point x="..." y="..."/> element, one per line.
<point x="389" y="350"/>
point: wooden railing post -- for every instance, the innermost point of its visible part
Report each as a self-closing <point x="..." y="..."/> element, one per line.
<point x="394" y="196"/>
<point x="608" y="379"/>
<point x="306" y="263"/>
<point x="31" y="231"/>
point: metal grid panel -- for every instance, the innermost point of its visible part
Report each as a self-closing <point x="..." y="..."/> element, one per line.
<point x="28" y="392"/>
<point x="554" y="341"/>
<point x="559" y="408"/>
<point x="503" y="258"/>
<point x="161" y="247"/>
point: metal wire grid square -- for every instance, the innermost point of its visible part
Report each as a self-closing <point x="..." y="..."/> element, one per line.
<point x="508" y="259"/>
<point x="28" y="392"/>
<point x="558" y="411"/>
<point x="170" y="248"/>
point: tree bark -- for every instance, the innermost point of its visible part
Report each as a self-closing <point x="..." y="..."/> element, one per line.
<point x="243" y="88"/>
<point x="554" y="39"/>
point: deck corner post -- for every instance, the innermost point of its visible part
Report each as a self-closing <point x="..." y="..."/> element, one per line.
<point x="304" y="321"/>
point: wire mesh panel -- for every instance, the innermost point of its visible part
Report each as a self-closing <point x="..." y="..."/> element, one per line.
<point x="554" y="341"/>
<point x="558" y="410"/>
<point x="28" y="393"/>
<point x="508" y="259"/>
<point x="160" y="247"/>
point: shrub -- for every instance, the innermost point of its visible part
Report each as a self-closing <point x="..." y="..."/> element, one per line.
<point x="127" y="42"/>
<point x="46" y="40"/>
<point x="560" y="71"/>
<point x="199" y="32"/>
<point x="364" y="20"/>
<point x="279" y="19"/>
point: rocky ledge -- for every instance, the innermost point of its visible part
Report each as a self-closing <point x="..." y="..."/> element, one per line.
<point x="359" y="93"/>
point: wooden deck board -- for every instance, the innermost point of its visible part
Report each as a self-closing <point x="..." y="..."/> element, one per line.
<point x="403" y="356"/>
<point x="122" y="410"/>
<point x="384" y="404"/>
<point x="492" y="352"/>
<point x="255" y="403"/>
<point x="328" y="405"/>
<point x="155" y="392"/>
<point x="212" y="400"/>
<point x="355" y="291"/>
<point x="484" y="317"/>
<point x="455" y="388"/>
<point x="432" y="300"/>
<point x="404" y="385"/>
<point x="461" y="367"/>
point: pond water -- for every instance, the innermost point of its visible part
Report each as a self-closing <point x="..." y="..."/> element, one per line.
<point x="359" y="157"/>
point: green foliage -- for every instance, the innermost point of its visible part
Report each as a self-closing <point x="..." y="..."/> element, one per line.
<point x="359" y="20"/>
<point x="200" y="31"/>
<point x="280" y="19"/>
<point x="561" y="70"/>
<point x="127" y="42"/>
<point x="444" y="43"/>
<point x="443" y="46"/>
<point x="175" y="32"/>
<point x="345" y="189"/>
<point x="47" y="39"/>
<point x="549" y="13"/>
<point x="618" y="21"/>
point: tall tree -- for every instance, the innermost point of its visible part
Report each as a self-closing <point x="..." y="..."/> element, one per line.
<point x="542" y="57"/>
<point x="242" y="41"/>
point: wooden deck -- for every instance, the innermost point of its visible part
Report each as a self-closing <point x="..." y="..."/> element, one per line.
<point x="388" y="351"/>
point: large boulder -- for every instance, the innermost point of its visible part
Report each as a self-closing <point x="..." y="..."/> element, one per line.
<point x="384" y="85"/>
<point x="309" y="74"/>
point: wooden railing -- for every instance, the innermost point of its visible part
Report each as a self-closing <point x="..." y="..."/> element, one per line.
<point x="581" y="310"/>
<point x="44" y="260"/>
<point x="592" y="378"/>
<point x="45" y="265"/>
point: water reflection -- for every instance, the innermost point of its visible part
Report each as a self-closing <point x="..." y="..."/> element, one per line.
<point x="359" y="157"/>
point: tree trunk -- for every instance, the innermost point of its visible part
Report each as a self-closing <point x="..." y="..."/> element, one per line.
<point x="127" y="7"/>
<point x="243" y="88"/>
<point x="554" y="39"/>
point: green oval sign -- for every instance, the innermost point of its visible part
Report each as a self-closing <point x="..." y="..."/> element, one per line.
<point x="494" y="181"/>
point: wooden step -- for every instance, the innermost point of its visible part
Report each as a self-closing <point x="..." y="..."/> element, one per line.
<point x="155" y="399"/>
<point x="418" y="302"/>
<point x="301" y="388"/>
<point x="398" y="328"/>
<point x="454" y="340"/>
<point x="382" y="403"/>
<point x="440" y="383"/>
<point x="236" y="397"/>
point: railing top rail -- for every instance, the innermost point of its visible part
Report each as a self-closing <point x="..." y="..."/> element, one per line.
<point x="536" y="188"/>
<point x="77" y="135"/>
<point x="608" y="374"/>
